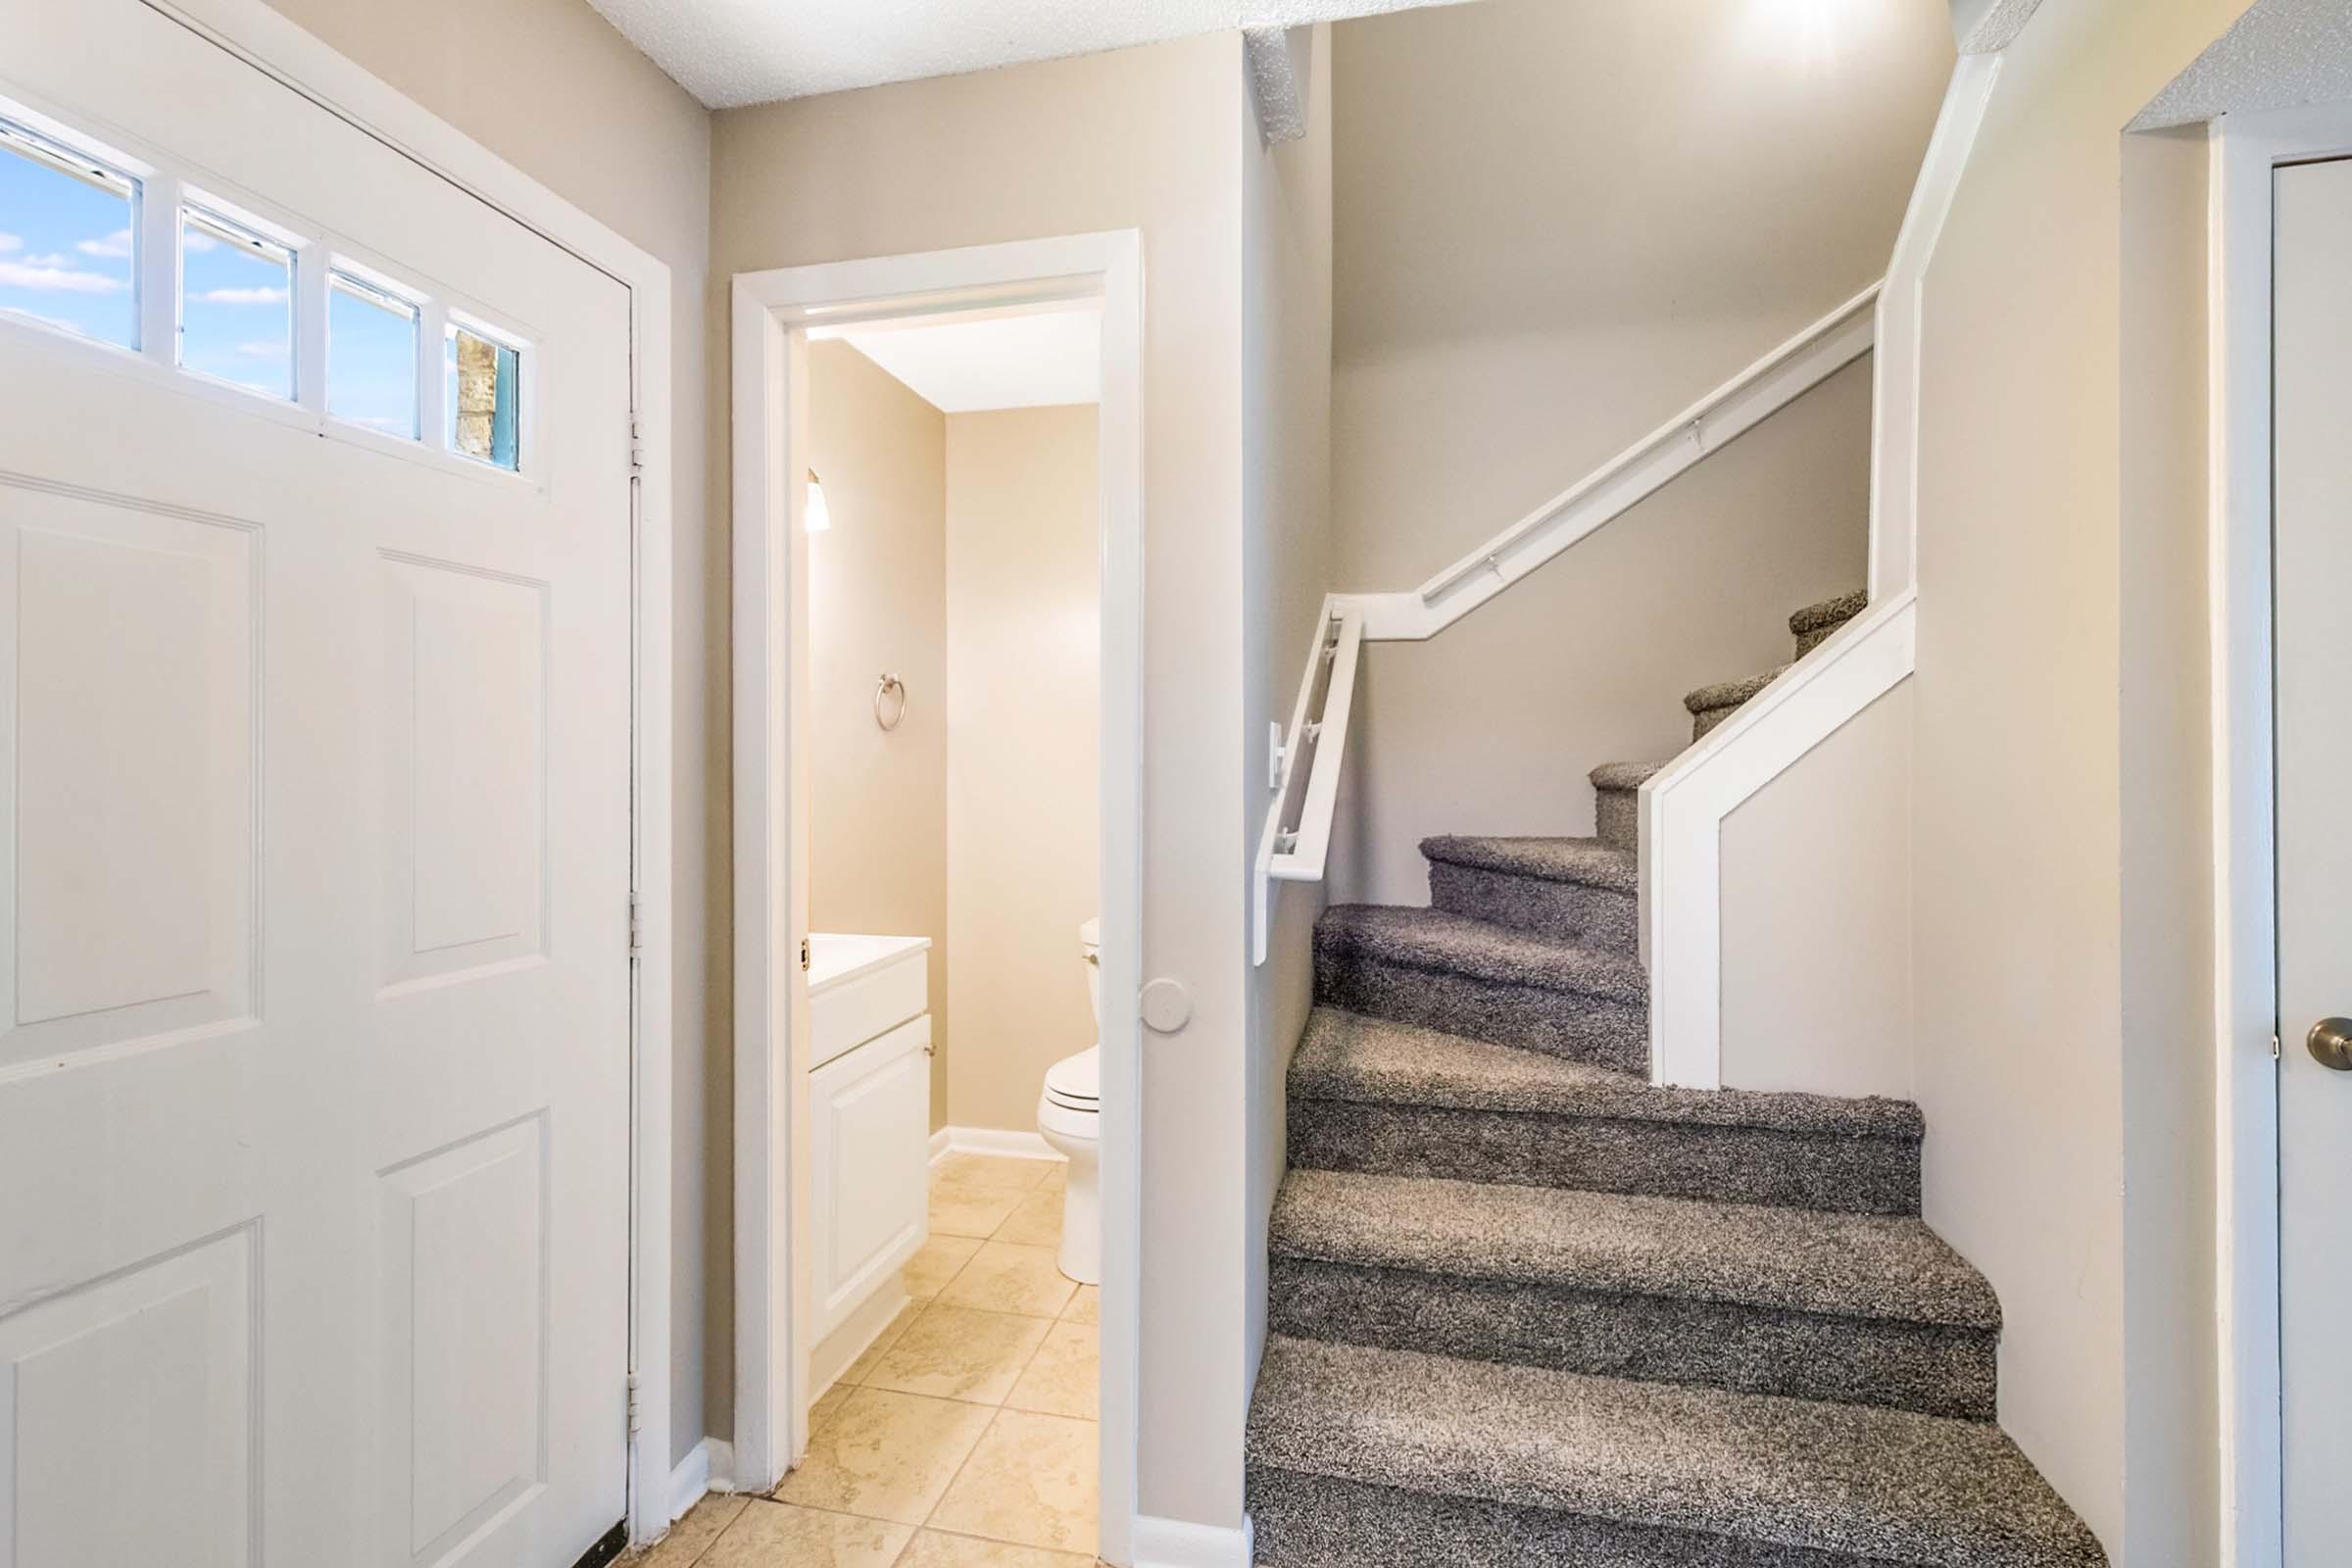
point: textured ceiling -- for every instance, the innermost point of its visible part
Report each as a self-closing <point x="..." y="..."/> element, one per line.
<point x="733" y="52"/>
<point x="2282" y="53"/>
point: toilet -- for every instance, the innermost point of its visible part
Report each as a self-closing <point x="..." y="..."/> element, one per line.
<point x="1069" y="1113"/>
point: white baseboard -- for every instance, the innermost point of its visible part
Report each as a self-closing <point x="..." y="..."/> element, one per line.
<point x="992" y="1140"/>
<point x="1177" y="1544"/>
<point x="705" y="1470"/>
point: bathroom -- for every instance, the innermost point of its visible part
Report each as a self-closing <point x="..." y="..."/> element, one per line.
<point x="951" y="752"/>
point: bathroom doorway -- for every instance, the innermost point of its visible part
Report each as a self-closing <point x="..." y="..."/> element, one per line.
<point x="938" y="901"/>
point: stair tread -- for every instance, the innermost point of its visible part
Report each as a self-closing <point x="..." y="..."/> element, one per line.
<point x="1586" y="862"/>
<point x="1623" y="775"/>
<point x="1347" y="1057"/>
<point x="1829" y="613"/>
<point x="1836" y="1478"/>
<point x="1732" y="693"/>
<point x="1433" y="939"/>
<point x="1870" y="1267"/>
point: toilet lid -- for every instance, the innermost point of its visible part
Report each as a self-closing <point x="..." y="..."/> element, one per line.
<point x="1077" y="1081"/>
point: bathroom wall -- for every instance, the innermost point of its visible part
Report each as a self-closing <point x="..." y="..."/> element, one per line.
<point x="1022" y="733"/>
<point x="878" y="601"/>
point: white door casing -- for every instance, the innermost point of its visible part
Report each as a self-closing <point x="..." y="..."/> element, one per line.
<point x="2313" y="576"/>
<point x="314" y="1064"/>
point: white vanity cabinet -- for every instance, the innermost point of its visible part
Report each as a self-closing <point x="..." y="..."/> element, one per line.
<point x="869" y="1118"/>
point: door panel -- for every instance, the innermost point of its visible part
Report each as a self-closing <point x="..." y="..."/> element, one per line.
<point x="313" y="868"/>
<point x="2313" y="382"/>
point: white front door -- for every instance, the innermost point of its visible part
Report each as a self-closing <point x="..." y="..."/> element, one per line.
<point x="2313" y="389"/>
<point x="314" y="775"/>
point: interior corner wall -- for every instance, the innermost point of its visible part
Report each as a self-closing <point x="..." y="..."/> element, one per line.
<point x="1151" y="139"/>
<point x="1816" y="878"/>
<point x="1023" y="763"/>
<point x="550" y="87"/>
<point x="2056" y="821"/>
<point x="878" y="601"/>
<point x="1286" y="478"/>
<point x="1544" y="253"/>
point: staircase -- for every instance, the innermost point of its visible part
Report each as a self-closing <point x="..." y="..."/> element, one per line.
<point x="1527" y="1310"/>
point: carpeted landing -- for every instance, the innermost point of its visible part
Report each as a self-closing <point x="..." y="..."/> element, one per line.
<point x="1527" y="1310"/>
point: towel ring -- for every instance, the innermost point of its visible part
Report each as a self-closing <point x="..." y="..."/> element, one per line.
<point x="888" y="684"/>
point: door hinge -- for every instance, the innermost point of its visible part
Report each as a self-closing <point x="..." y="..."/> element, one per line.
<point x="636" y="925"/>
<point x="2275" y="1054"/>
<point x="636" y="444"/>
<point x="633" y="1418"/>
<point x="804" y="954"/>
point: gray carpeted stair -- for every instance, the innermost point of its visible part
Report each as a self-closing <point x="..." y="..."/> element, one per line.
<point x="1390" y="1099"/>
<point x="1811" y="627"/>
<point x="1578" y="891"/>
<point x="1617" y="801"/>
<point x="1525" y="1308"/>
<point x="1471" y="977"/>
<point x="1865" y="1309"/>
<point x="1360" y="1455"/>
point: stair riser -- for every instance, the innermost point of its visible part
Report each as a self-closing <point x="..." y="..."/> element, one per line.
<point x="1667" y="1159"/>
<point x="1707" y="718"/>
<point x="1559" y="1023"/>
<point x="1929" y="1368"/>
<point x="1308" y="1521"/>
<point x="1617" y="819"/>
<point x="1566" y="911"/>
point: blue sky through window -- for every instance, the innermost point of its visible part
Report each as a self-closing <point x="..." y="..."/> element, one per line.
<point x="371" y="358"/>
<point x="236" y="307"/>
<point x="65" y="250"/>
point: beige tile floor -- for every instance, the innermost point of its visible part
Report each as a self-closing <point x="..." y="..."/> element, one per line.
<point x="965" y="1438"/>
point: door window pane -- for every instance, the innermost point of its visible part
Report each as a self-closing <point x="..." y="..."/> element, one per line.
<point x="236" y="305"/>
<point x="370" y="356"/>
<point x="482" y="383"/>
<point x="67" y="234"/>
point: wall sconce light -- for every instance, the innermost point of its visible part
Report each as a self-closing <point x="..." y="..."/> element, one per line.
<point x="817" y="519"/>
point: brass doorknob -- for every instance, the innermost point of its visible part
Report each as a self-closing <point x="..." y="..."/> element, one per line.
<point x="2330" y="1041"/>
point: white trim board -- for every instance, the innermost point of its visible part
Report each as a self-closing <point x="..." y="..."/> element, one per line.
<point x="771" y="312"/>
<point x="274" y="45"/>
<point x="1177" y="1544"/>
<point x="996" y="1140"/>
<point x="2246" y="150"/>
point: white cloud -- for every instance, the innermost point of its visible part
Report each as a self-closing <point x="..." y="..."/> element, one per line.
<point x="195" y="241"/>
<point x="58" y="280"/>
<point x="243" y="296"/>
<point x="262" y="350"/>
<point x="10" y="242"/>
<point x="116" y="244"/>
<point x="52" y="259"/>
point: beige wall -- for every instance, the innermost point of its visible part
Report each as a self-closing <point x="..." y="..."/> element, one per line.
<point x="1816" y="878"/>
<point x="1149" y="138"/>
<point x="1286" y="500"/>
<point x="878" y="601"/>
<point x="2060" y="834"/>
<point x="1543" y="252"/>
<point x="1024" y="695"/>
<point x="548" y="85"/>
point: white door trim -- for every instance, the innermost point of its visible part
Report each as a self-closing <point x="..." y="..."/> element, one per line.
<point x="771" y="1313"/>
<point x="2246" y="149"/>
<point x="275" y="45"/>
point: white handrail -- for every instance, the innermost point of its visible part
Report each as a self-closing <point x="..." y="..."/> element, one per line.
<point x="1633" y="475"/>
<point x="1296" y="843"/>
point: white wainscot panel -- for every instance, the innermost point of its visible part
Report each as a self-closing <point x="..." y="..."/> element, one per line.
<point x="465" y="1265"/>
<point x="466" y="786"/>
<point x="126" y="1417"/>
<point x="128" y="692"/>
